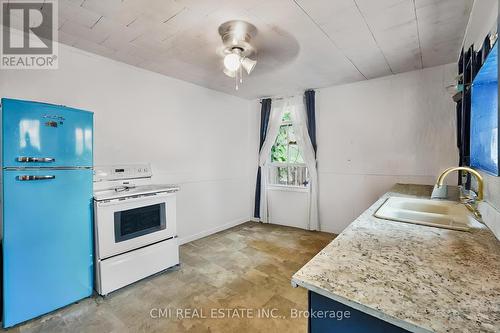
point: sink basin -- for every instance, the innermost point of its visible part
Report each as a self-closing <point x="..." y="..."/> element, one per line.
<point x="434" y="213"/>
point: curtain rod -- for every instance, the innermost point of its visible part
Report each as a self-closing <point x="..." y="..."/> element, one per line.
<point x="279" y="98"/>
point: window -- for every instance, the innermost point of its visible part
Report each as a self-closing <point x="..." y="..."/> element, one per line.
<point x="287" y="165"/>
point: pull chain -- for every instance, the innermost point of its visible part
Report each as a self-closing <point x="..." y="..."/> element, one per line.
<point x="236" y="79"/>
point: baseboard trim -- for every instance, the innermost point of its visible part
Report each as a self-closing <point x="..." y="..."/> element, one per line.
<point x="209" y="232"/>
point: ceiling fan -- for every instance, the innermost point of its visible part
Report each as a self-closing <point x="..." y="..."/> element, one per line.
<point x="237" y="51"/>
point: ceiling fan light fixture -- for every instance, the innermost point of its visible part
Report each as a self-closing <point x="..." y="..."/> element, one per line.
<point x="229" y="73"/>
<point x="236" y="37"/>
<point x="232" y="61"/>
<point x="248" y="64"/>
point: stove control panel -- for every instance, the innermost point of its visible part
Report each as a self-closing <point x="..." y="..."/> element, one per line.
<point x="122" y="172"/>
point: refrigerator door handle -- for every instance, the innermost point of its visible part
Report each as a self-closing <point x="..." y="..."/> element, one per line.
<point x="25" y="159"/>
<point x="29" y="177"/>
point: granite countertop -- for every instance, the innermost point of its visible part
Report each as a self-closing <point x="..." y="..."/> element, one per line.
<point x="420" y="278"/>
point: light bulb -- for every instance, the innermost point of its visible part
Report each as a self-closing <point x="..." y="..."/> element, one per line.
<point x="232" y="61"/>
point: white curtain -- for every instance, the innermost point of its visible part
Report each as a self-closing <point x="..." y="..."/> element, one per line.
<point x="299" y="118"/>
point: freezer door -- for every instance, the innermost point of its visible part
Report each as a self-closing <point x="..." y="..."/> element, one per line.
<point x="47" y="241"/>
<point x="46" y="135"/>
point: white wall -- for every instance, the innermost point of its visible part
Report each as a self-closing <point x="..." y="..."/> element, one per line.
<point x="372" y="135"/>
<point x="193" y="136"/>
<point x="288" y="206"/>
<point x="375" y="133"/>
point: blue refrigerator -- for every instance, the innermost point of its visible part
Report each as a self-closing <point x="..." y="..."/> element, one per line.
<point x="46" y="208"/>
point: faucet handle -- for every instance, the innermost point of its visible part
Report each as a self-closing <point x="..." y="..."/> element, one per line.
<point x="439" y="192"/>
<point x="468" y="195"/>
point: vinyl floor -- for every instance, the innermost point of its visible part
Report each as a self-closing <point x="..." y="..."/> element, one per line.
<point x="237" y="280"/>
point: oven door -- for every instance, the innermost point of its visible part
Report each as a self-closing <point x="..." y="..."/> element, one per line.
<point x="128" y="224"/>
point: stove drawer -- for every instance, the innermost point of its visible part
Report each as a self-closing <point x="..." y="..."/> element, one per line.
<point x="122" y="270"/>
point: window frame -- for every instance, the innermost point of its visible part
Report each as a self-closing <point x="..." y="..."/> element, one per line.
<point x="302" y="188"/>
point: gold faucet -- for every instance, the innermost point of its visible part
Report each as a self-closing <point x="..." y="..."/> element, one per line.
<point x="469" y="202"/>
<point x="480" y="182"/>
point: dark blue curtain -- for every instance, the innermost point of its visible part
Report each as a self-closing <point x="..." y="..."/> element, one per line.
<point x="265" y="112"/>
<point x="311" y="116"/>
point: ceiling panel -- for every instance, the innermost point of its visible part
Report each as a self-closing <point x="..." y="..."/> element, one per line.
<point x="379" y="5"/>
<point x="94" y="48"/>
<point x="81" y="32"/>
<point x="67" y="39"/>
<point x="442" y="25"/>
<point x="301" y="43"/>
<point x="352" y="36"/>
<point x="315" y="47"/>
<point x="130" y="57"/>
<point x="393" y="24"/>
<point x="69" y="11"/>
<point x="119" y="37"/>
<point x="327" y="11"/>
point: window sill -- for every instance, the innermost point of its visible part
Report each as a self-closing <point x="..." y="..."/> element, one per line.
<point x="287" y="188"/>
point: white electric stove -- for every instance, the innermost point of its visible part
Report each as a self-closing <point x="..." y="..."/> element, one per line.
<point x="135" y="226"/>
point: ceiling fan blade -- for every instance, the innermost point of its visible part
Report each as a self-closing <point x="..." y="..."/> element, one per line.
<point x="276" y="47"/>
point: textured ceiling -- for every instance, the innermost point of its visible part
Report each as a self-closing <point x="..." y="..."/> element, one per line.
<point x="302" y="43"/>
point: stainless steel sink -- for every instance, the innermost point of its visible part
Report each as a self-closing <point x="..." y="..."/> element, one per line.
<point x="439" y="214"/>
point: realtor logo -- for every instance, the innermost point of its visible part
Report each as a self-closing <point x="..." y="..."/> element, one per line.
<point x="28" y="34"/>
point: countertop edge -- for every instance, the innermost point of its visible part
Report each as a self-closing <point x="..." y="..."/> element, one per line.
<point x="363" y="308"/>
